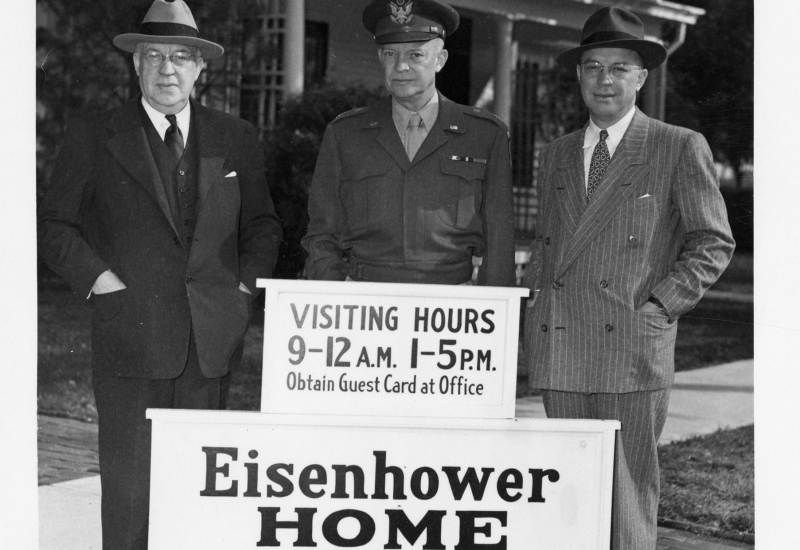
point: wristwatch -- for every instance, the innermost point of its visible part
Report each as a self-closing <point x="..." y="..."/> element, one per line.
<point x="658" y="304"/>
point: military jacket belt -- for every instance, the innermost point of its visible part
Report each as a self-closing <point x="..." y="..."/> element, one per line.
<point x="376" y="216"/>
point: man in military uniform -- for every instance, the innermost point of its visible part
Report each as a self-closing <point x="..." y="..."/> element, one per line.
<point x="410" y="189"/>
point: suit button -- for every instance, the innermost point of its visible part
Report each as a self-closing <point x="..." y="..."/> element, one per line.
<point x="188" y="239"/>
<point x="603" y="284"/>
<point x="184" y="206"/>
<point x="633" y="239"/>
<point x="182" y="173"/>
<point x="609" y="327"/>
<point x="557" y="285"/>
<point x="185" y="222"/>
<point x="547" y="240"/>
<point x="189" y="280"/>
<point x="176" y="240"/>
<point x="544" y="328"/>
<point x="183" y="190"/>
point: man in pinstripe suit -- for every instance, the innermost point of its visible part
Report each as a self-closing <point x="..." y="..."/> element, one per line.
<point x="632" y="231"/>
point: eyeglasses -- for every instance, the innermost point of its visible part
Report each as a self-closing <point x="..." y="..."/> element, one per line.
<point x="617" y="70"/>
<point x="179" y="59"/>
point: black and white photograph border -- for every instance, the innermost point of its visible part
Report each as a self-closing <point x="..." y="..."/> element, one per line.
<point x="777" y="255"/>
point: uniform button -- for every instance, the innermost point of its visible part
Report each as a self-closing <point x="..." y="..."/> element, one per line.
<point x="609" y="327"/>
<point x="633" y="239"/>
<point x="182" y="173"/>
<point x="544" y="328"/>
<point x="603" y="284"/>
<point x="547" y="240"/>
<point x="184" y="206"/>
<point x="183" y="190"/>
<point x="189" y="280"/>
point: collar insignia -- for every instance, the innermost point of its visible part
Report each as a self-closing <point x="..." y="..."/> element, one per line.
<point x="401" y="15"/>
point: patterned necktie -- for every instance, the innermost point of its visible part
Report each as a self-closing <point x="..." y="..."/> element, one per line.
<point x="600" y="160"/>
<point x="173" y="138"/>
<point x="414" y="136"/>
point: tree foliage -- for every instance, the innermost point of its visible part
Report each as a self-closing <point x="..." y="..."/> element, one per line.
<point x="291" y="149"/>
<point x="711" y="78"/>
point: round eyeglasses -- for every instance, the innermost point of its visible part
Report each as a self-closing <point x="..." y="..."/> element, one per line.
<point x="179" y="59"/>
<point x="617" y="70"/>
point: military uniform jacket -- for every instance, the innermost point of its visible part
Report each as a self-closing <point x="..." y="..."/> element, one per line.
<point x="376" y="216"/>
<point x="106" y="208"/>
<point x="656" y="225"/>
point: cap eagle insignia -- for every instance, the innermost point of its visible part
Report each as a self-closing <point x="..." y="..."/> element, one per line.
<point x="401" y="15"/>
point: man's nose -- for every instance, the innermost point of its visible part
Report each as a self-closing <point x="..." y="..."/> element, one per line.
<point x="605" y="76"/>
<point x="166" y="66"/>
<point x="401" y="65"/>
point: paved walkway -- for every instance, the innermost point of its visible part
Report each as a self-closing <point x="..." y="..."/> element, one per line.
<point x="702" y="401"/>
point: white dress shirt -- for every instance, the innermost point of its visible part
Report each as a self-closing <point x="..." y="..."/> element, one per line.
<point x="592" y="137"/>
<point x="161" y="123"/>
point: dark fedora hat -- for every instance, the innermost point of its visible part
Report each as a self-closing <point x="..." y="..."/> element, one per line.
<point x="615" y="28"/>
<point x="394" y="21"/>
<point x="169" y="22"/>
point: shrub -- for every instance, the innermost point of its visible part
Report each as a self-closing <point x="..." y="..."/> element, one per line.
<point x="291" y="149"/>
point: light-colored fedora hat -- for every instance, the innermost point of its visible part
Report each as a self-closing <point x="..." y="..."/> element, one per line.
<point x="169" y="22"/>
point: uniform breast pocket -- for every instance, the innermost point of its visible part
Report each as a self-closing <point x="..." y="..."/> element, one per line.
<point x="460" y="192"/>
<point x="364" y="193"/>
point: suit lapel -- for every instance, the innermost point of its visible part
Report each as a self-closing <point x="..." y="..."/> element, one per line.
<point x="627" y="169"/>
<point x="213" y="145"/>
<point x="569" y="186"/>
<point x="130" y="148"/>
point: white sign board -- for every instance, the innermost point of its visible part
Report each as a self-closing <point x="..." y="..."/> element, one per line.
<point x="390" y="349"/>
<point x="250" y="480"/>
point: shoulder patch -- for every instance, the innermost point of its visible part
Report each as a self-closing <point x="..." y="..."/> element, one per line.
<point x="353" y="112"/>
<point x="481" y="113"/>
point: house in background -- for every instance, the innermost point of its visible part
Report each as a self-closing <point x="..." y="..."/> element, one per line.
<point x="502" y="57"/>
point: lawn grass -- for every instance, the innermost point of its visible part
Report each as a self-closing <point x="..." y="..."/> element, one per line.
<point x="709" y="481"/>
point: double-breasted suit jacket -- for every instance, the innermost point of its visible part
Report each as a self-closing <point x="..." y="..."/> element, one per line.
<point x="107" y="208"/>
<point x="377" y="216"/>
<point x="656" y="226"/>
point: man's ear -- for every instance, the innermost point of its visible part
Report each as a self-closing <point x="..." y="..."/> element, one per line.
<point x="136" y="61"/>
<point x="641" y="79"/>
<point x="441" y="59"/>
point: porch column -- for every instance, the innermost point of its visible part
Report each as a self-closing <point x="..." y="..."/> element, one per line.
<point x="503" y="67"/>
<point x="294" y="47"/>
<point x="654" y="93"/>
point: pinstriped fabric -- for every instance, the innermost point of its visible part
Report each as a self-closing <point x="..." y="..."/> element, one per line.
<point x="636" y="475"/>
<point x="657" y="225"/>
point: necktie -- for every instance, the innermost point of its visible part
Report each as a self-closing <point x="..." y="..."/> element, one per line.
<point x="173" y="138"/>
<point x="600" y="160"/>
<point x="414" y="136"/>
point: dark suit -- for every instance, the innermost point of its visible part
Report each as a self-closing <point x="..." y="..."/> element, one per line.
<point x="377" y="216"/>
<point x="656" y="226"/>
<point x="182" y="316"/>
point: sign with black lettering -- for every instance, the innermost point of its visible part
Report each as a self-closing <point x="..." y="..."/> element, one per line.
<point x="390" y="349"/>
<point x="231" y="479"/>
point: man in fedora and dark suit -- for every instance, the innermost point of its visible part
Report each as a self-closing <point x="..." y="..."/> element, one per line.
<point x="158" y="212"/>
<point x="410" y="189"/>
<point x="631" y="233"/>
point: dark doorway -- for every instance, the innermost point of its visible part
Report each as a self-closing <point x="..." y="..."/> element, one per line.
<point x="453" y="80"/>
